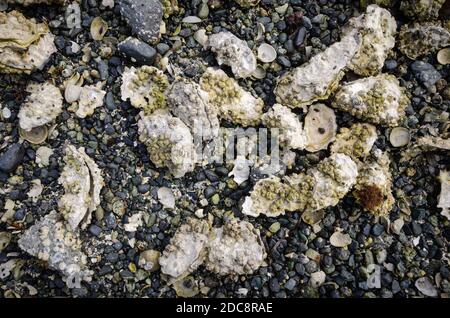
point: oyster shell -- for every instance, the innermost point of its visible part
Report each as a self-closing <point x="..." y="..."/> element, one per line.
<point x="320" y="127"/>
<point x="377" y="28"/>
<point x="82" y="182"/>
<point x="421" y="10"/>
<point x="379" y="99"/>
<point x="236" y="249"/>
<point x="444" y="196"/>
<point x="169" y="142"/>
<point x="355" y="141"/>
<point x="232" y="51"/>
<point x="420" y="39"/>
<point x="233" y="103"/>
<point x="266" y="53"/>
<point x="186" y="250"/>
<point x="54" y="242"/>
<point x="145" y="87"/>
<point x="317" y="79"/>
<point x="41" y="107"/>
<point x="91" y="97"/>
<point x="373" y="187"/>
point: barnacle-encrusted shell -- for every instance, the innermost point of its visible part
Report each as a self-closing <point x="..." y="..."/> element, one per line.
<point x="355" y="141"/>
<point x="421" y="10"/>
<point x="236" y="249"/>
<point x="26" y="3"/>
<point x="41" y="107"/>
<point x="54" y="242"/>
<point x="232" y="51"/>
<point x="421" y="39"/>
<point x="91" y="97"/>
<point x="24" y="44"/>
<point x="82" y="182"/>
<point x="444" y="196"/>
<point x="378" y="99"/>
<point x="320" y="127"/>
<point x="373" y="186"/>
<point x="169" y="142"/>
<point x="233" y="103"/>
<point x="377" y="28"/>
<point x="188" y="102"/>
<point x="145" y="87"/>
<point x="318" y="78"/>
<point x="292" y="135"/>
<point x="187" y="249"/>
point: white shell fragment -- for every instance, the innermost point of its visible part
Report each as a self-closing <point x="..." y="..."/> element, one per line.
<point x="166" y="198"/>
<point x="377" y="28"/>
<point x="320" y="127"/>
<point x="444" y="196"/>
<point x="266" y="53"/>
<point x="73" y="87"/>
<point x="145" y="87"/>
<point x="317" y="79"/>
<point x="339" y="239"/>
<point x="443" y="56"/>
<point x="169" y="142"/>
<point x="399" y="137"/>
<point x="53" y="241"/>
<point x="41" y="107"/>
<point x="43" y="156"/>
<point x="426" y="287"/>
<point x="232" y="51"/>
<point x="233" y="103"/>
<point x="91" y="97"/>
<point x="82" y="182"/>
<point x="379" y="99"/>
<point x="134" y="222"/>
<point x="241" y="169"/>
<point x="355" y="141"/>
<point x="191" y="19"/>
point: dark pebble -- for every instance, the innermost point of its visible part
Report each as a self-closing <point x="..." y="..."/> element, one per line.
<point x="12" y="158"/>
<point x="137" y="51"/>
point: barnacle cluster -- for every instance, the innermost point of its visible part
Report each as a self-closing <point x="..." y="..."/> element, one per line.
<point x="169" y="142"/>
<point x="421" y="10"/>
<point x="233" y="103"/>
<point x="54" y="241"/>
<point x="41" y="107"/>
<point x="145" y="86"/>
<point x="82" y="181"/>
<point x="24" y="44"/>
<point x="232" y="51"/>
<point x="379" y="99"/>
<point x="355" y="141"/>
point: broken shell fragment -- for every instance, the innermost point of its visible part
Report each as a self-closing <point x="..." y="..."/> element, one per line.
<point x="99" y="27"/>
<point x="399" y="137"/>
<point x="166" y="197"/>
<point x="41" y="107"/>
<point x="355" y="141"/>
<point x="73" y="87"/>
<point x="379" y="99"/>
<point x="232" y="51"/>
<point x="266" y="53"/>
<point x="426" y="287"/>
<point x="91" y="97"/>
<point x="319" y="78"/>
<point x="444" y="196"/>
<point x="148" y="260"/>
<point x="36" y="135"/>
<point x="443" y="56"/>
<point x="339" y="239"/>
<point x="320" y="127"/>
<point x="5" y="238"/>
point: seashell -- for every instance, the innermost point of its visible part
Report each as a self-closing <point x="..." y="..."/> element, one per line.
<point x="191" y="19"/>
<point x="98" y="28"/>
<point x="443" y="56"/>
<point x="339" y="239"/>
<point x="426" y="287"/>
<point x="166" y="198"/>
<point x="266" y="53"/>
<point x="320" y="127"/>
<point x="399" y="137"/>
<point x="186" y="287"/>
<point x="259" y="73"/>
<point x="260" y="31"/>
<point x="201" y="37"/>
<point x="73" y="88"/>
<point x="148" y="260"/>
<point x="36" y="136"/>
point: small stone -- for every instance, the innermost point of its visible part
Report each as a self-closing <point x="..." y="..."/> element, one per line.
<point x="12" y="158"/>
<point x="377" y="229"/>
<point x="274" y="227"/>
<point x="137" y="51"/>
<point x="425" y="73"/>
<point x="317" y="279"/>
<point x="162" y="48"/>
<point x="95" y="230"/>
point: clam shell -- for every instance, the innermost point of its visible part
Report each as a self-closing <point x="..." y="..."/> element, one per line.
<point x="36" y="135"/>
<point x="399" y="137"/>
<point x="259" y="72"/>
<point x="320" y="127"/>
<point x="443" y="56"/>
<point x="266" y="53"/>
<point x="98" y="28"/>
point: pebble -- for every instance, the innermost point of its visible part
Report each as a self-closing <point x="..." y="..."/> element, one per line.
<point x="95" y="230"/>
<point x="12" y="158"/>
<point x="425" y="73"/>
<point x="137" y="51"/>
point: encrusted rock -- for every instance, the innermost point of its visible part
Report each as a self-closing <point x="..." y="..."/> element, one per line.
<point x="82" y="182"/>
<point x="320" y="127"/>
<point x="355" y="141"/>
<point x="373" y="187"/>
<point x="233" y="52"/>
<point x="91" y="97"/>
<point x="421" y="10"/>
<point x="319" y="78"/>
<point x="378" y="99"/>
<point x="148" y="260"/>
<point x="41" y="107"/>
<point x="145" y="87"/>
<point x="233" y="103"/>
<point x="444" y="196"/>
<point x="236" y="249"/>
<point x="420" y="39"/>
<point x="169" y="142"/>
<point x="377" y="28"/>
<point x="54" y="242"/>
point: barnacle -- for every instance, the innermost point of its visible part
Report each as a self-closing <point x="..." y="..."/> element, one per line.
<point x="317" y="79"/>
<point x="233" y="52"/>
<point x="421" y="10"/>
<point x="41" y="107"/>
<point x="169" y="142"/>
<point x="24" y="44"/>
<point x="233" y="103"/>
<point x="54" y="242"/>
<point x="145" y="87"/>
<point x="378" y="99"/>
<point x="355" y="141"/>
<point x="82" y="182"/>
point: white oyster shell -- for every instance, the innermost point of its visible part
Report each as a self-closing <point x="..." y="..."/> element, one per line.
<point x="320" y="127"/>
<point x="169" y="142"/>
<point x="82" y="182"/>
<point x="91" y="97"/>
<point x="233" y="103"/>
<point x="41" y="107"/>
<point x="379" y="99"/>
<point x="232" y="51"/>
<point x="355" y="141"/>
<point x="236" y="249"/>
<point x="54" y="242"/>
<point x="317" y="79"/>
<point x="444" y="196"/>
<point x="377" y="28"/>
